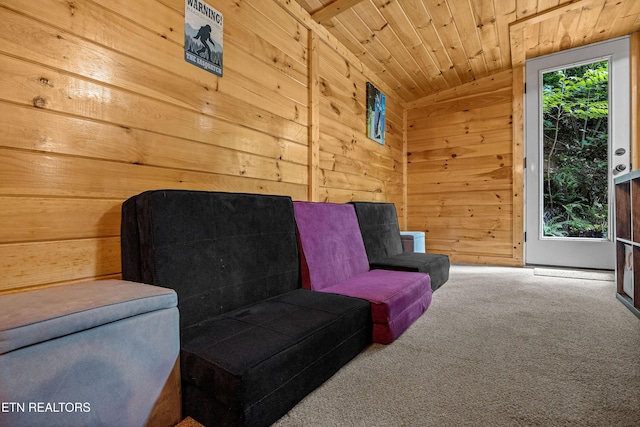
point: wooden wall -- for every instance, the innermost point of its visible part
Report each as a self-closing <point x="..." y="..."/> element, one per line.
<point x="97" y="104"/>
<point x="460" y="171"/>
<point x="353" y="167"/>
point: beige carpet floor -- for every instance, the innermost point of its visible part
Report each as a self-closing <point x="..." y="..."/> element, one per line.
<point x="498" y="347"/>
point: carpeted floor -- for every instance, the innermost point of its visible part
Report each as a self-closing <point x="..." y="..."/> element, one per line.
<point x="498" y="347"/>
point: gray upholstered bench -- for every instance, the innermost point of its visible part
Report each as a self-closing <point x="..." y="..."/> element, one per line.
<point x="97" y="353"/>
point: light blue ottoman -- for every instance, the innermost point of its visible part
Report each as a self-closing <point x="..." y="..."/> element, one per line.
<point x="100" y="353"/>
<point x="413" y="241"/>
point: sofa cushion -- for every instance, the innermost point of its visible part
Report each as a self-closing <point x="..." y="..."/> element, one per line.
<point x="389" y="292"/>
<point x="32" y="317"/>
<point x="253" y="342"/>
<point x="386" y="333"/>
<point x="245" y="356"/>
<point x="397" y="299"/>
<point x="378" y="223"/>
<point x="334" y="260"/>
<point x="219" y="251"/>
<point x="437" y="266"/>
<point x="333" y="250"/>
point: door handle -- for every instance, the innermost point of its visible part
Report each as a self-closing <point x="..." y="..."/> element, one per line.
<point x="620" y="151"/>
<point x="619" y="168"/>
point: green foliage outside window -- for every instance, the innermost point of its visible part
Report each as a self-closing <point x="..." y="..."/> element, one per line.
<point x="575" y="129"/>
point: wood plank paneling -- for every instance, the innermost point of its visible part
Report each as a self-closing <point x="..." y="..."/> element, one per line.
<point x="107" y="108"/>
<point x="56" y="133"/>
<point x="460" y="171"/>
<point x="458" y="41"/>
<point x="40" y="263"/>
<point x="52" y="90"/>
<point x="353" y="167"/>
<point x="30" y="219"/>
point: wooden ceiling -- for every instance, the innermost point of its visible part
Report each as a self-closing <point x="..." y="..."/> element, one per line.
<point x="420" y="47"/>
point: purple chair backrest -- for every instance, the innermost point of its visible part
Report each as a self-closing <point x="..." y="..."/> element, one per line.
<point x="332" y="249"/>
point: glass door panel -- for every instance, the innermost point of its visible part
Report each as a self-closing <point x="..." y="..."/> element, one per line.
<point x="575" y="107"/>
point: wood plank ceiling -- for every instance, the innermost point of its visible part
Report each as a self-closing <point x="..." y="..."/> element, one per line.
<point x="420" y="47"/>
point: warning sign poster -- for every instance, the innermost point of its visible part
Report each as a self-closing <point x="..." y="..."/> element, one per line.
<point x="203" y="36"/>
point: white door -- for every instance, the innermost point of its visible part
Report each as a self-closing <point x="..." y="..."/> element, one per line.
<point x="576" y="141"/>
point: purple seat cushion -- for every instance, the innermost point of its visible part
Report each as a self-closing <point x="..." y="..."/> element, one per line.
<point x="334" y="260"/>
<point x="332" y="246"/>
<point x="397" y="299"/>
<point x="386" y="333"/>
<point x="389" y="292"/>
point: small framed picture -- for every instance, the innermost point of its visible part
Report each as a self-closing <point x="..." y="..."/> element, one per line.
<point x="376" y="110"/>
<point x="203" y="31"/>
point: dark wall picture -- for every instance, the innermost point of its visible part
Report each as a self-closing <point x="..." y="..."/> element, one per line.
<point x="375" y="114"/>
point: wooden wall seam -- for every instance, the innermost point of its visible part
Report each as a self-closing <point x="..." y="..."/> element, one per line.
<point x="351" y="166"/>
<point x="405" y="210"/>
<point x="314" y="118"/>
<point x="296" y="11"/>
<point x="518" y="165"/>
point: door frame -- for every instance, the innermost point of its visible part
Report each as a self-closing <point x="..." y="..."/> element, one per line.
<point x="563" y="252"/>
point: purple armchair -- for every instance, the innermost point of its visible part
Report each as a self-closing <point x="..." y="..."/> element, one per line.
<point x="334" y="261"/>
